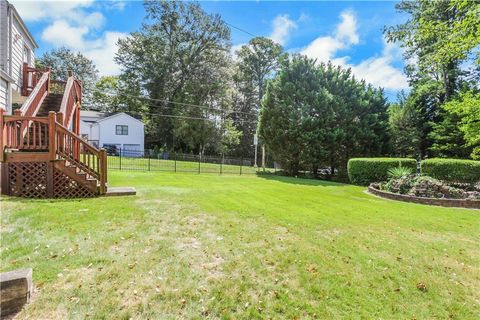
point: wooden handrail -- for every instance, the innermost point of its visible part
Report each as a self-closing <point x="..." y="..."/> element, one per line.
<point x="21" y="118"/>
<point x="88" y="146"/>
<point x="72" y="97"/>
<point x="82" y="154"/>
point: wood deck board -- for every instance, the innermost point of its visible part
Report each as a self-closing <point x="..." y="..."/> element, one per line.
<point x="120" y="191"/>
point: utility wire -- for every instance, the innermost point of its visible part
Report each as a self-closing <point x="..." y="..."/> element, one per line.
<point x="240" y="29"/>
<point x="177" y="116"/>
<point x="179" y="103"/>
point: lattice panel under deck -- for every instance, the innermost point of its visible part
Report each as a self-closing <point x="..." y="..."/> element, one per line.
<point x="28" y="179"/>
<point x="65" y="187"/>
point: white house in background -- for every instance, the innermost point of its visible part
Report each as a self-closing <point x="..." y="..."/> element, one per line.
<point x="119" y="130"/>
<point x="16" y="48"/>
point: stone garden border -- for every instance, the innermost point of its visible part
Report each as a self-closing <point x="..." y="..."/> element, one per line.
<point x="459" y="203"/>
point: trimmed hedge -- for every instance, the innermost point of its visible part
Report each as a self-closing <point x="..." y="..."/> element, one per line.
<point x="363" y="171"/>
<point x="452" y="170"/>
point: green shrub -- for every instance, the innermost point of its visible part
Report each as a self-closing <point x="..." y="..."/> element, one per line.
<point x="399" y="172"/>
<point x="363" y="171"/>
<point x="452" y="170"/>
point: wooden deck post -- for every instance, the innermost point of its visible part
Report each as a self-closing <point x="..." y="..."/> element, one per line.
<point x="2" y="138"/>
<point x="76" y="128"/>
<point x="4" y="179"/>
<point x="52" y="143"/>
<point x="25" y="79"/>
<point x="49" y="70"/>
<point x="103" y="171"/>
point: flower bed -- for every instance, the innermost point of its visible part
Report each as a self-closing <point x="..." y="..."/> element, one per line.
<point x="444" y="202"/>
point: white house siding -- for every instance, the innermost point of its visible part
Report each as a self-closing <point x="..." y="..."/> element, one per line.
<point x="16" y="47"/>
<point x="19" y="42"/>
<point x="107" y="132"/>
<point x="3" y="36"/>
<point x="3" y="94"/>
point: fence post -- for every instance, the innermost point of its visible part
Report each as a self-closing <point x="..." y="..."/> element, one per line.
<point x="199" y="159"/>
<point x="241" y="163"/>
<point x="103" y="171"/>
<point x="175" y="161"/>
<point x="221" y="163"/>
<point x="149" y="161"/>
<point x="120" y="158"/>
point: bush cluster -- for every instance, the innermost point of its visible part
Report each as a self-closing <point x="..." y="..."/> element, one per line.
<point x="363" y="171"/>
<point x="452" y="170"/>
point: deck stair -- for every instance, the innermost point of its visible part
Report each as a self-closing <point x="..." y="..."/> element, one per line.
<point x="41" y="152"/>
<point x="52" y="102"/>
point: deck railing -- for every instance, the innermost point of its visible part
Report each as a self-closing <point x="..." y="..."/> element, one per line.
<point x="35" y="97"/>
<point x="69" y="146"/>
<point x="30" y="78"/>
<point x="71" y="100"/>
<point x="14" y="137"/>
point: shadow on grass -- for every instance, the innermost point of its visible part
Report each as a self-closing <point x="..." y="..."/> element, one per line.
<point x="4" y="198"/>
<point x="301" y="180"/>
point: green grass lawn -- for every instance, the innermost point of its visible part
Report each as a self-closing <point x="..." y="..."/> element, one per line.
<point x="243" y="247"/>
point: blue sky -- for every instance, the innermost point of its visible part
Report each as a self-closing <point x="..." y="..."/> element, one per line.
<point x="347" y="33"/>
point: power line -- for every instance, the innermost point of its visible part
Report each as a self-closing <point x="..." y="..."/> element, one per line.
<point x="181" y="103"/>
<point x="178" y="116"/>
<point x="240" y="29"/>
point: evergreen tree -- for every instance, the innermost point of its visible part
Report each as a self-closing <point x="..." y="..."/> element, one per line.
<point x="404" y="121"/>
<point x="316" y="116"/>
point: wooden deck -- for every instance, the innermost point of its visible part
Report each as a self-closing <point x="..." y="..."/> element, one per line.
<point x="42" y="154"/>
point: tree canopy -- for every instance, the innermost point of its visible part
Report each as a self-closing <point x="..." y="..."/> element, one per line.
<point x="441" y="41"/>
<point x="320" y="115"/>
<point x="180" y="58"/>
<point x="63" y="60"/>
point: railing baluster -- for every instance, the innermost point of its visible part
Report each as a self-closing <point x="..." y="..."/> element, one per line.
<point x="34" y="135"/>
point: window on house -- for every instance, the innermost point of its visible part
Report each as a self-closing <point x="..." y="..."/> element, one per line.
<point x="121" y="130"/>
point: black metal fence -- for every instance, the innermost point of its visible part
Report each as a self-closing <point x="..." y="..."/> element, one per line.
<point x="149" y="160"/>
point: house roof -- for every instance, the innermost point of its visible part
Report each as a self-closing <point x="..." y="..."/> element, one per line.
<point x="91" y="114"/>
<point x="119" y="114"/>
<point x="101" y="116"/>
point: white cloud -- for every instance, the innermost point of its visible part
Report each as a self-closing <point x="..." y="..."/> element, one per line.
<point x="102" y="52"/>
<point x="44" y="9"/>
<point x="347" y="29"/>
<point x="323" y="48"/>
<point x="282" y="25"/>
<point x="74" y="25"/>
<point x="60" y="33"/>
<point x="117" y="5"/>
<point x="377" y="70"/>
